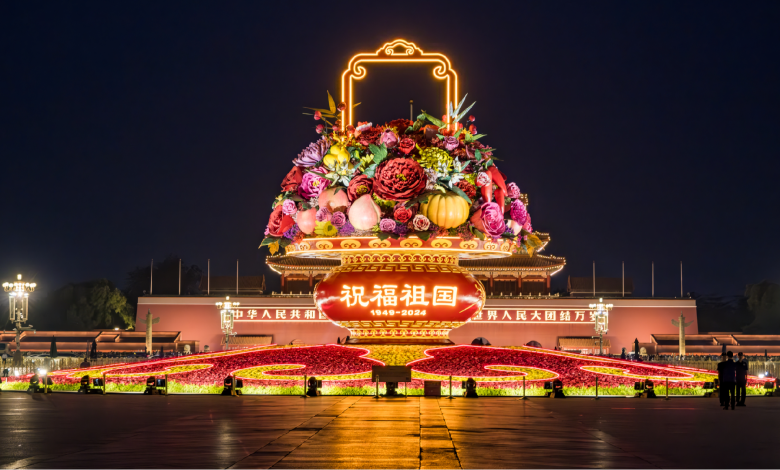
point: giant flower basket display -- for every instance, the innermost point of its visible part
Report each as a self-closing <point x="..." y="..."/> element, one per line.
<point x="399" y="203"/>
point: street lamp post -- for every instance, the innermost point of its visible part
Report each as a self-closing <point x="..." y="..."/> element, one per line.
<point x="227" y="314"/>
<point x="19" y="307"/>
<point x="602" y="321"/>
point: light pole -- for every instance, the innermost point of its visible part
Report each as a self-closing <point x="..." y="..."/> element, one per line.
<point x="19" y="307"/>
<point x="602" y="321"/>
<point x="227" y="315"/>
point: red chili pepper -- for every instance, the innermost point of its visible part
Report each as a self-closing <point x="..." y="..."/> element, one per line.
<point x="500" y="180"/>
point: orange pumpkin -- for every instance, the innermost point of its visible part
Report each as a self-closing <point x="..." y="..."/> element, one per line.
<point x="446" y="210"/>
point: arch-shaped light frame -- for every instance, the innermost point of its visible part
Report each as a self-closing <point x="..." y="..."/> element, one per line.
<point x="398" y="51"/>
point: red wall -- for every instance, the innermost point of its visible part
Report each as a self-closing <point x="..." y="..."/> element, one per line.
<point x="198" y="319"/>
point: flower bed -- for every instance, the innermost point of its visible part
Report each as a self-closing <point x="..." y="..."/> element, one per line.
<point x="346" y="370"/>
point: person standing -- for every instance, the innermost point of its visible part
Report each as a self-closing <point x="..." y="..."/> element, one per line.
<point x="727" y="375"/>
<point x="742" y="373"/>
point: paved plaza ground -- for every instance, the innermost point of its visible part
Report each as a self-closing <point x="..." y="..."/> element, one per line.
<point x="67" y="430"/>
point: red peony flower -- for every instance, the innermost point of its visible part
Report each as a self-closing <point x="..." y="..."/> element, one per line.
<point x="370" y="136"/>
<point x="400" y="125"/>
<point x="406" y="145"/>
<point x="467" y="188"/>
<point x="401" y="213"/>
<point x="292" y="180"/>
<point x="399" y="179"/>
<point x="358" y="186"/>
<point x="279" y="223"/>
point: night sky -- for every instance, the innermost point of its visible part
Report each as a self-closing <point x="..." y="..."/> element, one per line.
<point x="642" y="131"/>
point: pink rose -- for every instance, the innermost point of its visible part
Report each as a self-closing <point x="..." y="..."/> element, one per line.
<point x="387" y="225"/>
<point x="289" y="207"/>
<point x="338" y="219"/>
<point x="451" y="143"/>
<point x="518" y="212"/>
<point x="513" y="191"/>
<point x="389" y="138"/>
<point x="312" y="185"/>
<point x="421" y="223"/>
<point x="493" y="219"/>
<point x="323" y="214"/>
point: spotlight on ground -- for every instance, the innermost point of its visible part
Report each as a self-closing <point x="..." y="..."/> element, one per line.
<point x="232" y="385"/>
<point x="709" y="389"/>
<point x="470" y="387"/>
<point x="554" y="389"/>
<point x="312" y="386"/>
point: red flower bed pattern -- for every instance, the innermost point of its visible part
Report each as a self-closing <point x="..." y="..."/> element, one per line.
<point x="338" y="361"/>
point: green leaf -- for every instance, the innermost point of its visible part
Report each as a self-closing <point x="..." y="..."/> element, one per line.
<point x="370" y="170"/>
<point x="477" y="137"/>
<point x="489" y="163"/>
<point x="457" y="134"/>
<point x="422" y="198"/>
<point x="284" y="242"/>
<point x="477" y="233"/>
<point x="382" y="235"/>
<point x="424" y="235"/>
<point x="316" y="173"/>
<point x="318" y="109"/>
<point x="435" y="121"/>
<point x="460" y="116"/>
<point x="269" y="240"/>
<point x="331" y="103"/>
<point x="356" y="105"/>
<point x="441" y="137"/>
<point x="460" y="193"/>
<point x="340" y="188"/>
<point x="380" y="153"/>
<point x="460" y="105"/>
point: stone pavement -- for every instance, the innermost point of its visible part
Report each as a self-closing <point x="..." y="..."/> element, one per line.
<point x="66" y="430"/>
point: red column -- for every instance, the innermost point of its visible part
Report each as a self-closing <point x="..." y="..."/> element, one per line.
<point x="548" y="285"/>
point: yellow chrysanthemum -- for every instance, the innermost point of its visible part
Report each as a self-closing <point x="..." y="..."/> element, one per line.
<point x="435" y="159"/>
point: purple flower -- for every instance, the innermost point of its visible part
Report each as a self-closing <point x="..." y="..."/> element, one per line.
<point x="451" y="143"/>
<point x="292" y="232"/>
<point x="347" y="229"/>
<point x="312" y="154"/>
<point x="289" y="207"/>
<point x="387" y="225"/>
<point x="518" y="212"/>
<point x="323" y="214"/>
<point x="338" y="219"/>
<point x="401" y="230"/>
<point x="493" y="219"/>
<point x="513" y="191"/>
<point x="389" y="138"/>
<point x="266" y="231"/>
<point x="312" y="185"/>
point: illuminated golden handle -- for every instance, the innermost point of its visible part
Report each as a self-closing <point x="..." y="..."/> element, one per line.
<point x="399" y="51"/>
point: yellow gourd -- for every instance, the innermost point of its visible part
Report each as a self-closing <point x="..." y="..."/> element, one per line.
<point x="446" y="210"/>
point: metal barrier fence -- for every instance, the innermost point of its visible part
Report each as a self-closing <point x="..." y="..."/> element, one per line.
<point x="32" y="363"/>
<point x="755" y="367"/>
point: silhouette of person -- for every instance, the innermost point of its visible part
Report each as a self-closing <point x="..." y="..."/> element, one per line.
<point x="742" y="372"/>
<point x="727" y="375"/>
